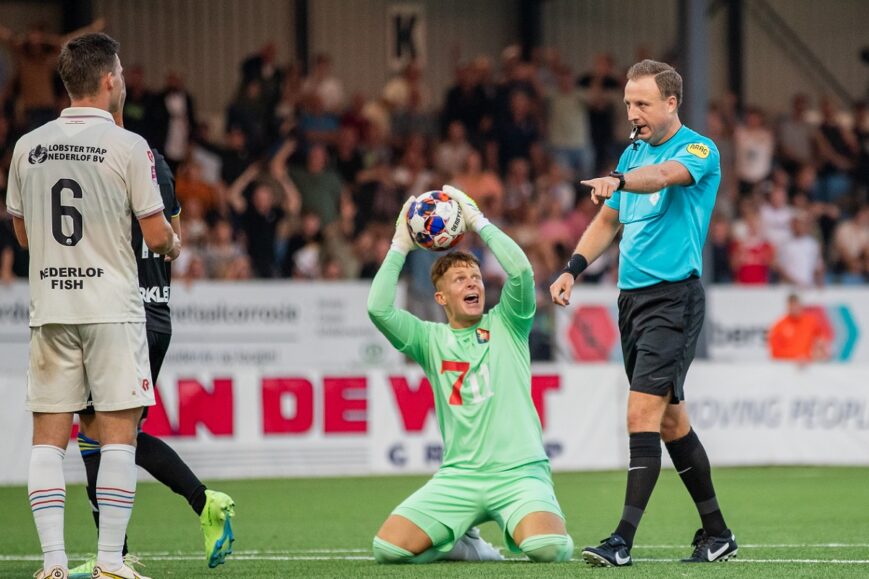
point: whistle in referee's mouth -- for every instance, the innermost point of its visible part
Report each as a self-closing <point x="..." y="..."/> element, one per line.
<point x="634" y="132"/>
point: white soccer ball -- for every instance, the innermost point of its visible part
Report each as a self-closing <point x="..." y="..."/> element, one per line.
<point x="435" y="221"/>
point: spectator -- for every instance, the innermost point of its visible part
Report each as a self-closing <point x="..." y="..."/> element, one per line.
<point x="567" y="120"/>
<point x="190" y="185"/>
<point x="798" y="260"/>
<point x="837" y="151"/>
<point x="407" y="90"/>
<point x="777" y="216"/>
<point x="721" y="243"/>
<point x="412" y="176"/>
<point x="303" y="248"/>
<point x="284" y="113"/>
<point x="262" y="68"/>
<point x="323" y="83"/>
<point x="259" y="219"/>
<point x="193" y="268"/>
<point x="720" y="133"/>
<point x="371" y="256"/>
<point x="14" y="260"/>
<point x="554" y="235"/>
<point x="316" y="125"/>
<point x="754" y="144"/>
<point x="319" y="186"/>
<point x="518" y="188"/>
<point x="235" y="156"/>
<point x="204" y="153"/>
<point x="861" y="137"/>
<point x="409" y="102"/>
<point x="519" y="132"/>
<point x="796" y="136"/>
<point x="602" y="87"/>
<point x="7" y="144"/>
<point x="194" y="226"/>
<point x="451" y="155"/>
<point x="555" y="185"/>
<point x="348" y="155"/>
<point x="139" y="104"/>
<point x="484" y="186"/>
<point x="851" y="248"/>
<point x="176" y="119"/>
<point x="222" y="252"/>
<point x="35" y="54"/>
<point x="465" y="102"/>
<point x="250" y="112"/>
<point x="354" y="116"/>
<point x="798" y="336"/>
<point x="752" y="255"/>
<point x="239" y="269"/>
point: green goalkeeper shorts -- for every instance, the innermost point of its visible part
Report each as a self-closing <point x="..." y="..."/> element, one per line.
<point x="463" y="499"/>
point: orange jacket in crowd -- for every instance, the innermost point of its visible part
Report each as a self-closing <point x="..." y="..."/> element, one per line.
<point x="800" y="337"/>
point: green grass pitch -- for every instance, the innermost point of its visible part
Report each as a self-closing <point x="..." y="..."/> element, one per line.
<point x="789" y="522"/>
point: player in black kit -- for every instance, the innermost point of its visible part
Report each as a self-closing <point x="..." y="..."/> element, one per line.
<point x="155" y="456"/>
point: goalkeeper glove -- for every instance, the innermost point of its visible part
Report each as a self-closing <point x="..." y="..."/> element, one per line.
<point x="474" y="218"/>
<point x="402" y="241"/>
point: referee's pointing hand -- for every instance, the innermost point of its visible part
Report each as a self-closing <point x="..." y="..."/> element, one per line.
<point x="601" y="188"/>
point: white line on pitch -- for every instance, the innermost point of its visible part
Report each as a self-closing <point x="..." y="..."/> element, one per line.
<point x="773" y="546"/>
<point x="260" y="557"/>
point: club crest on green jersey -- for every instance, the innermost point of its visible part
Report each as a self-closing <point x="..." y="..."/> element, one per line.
<point x="482" y="336"/>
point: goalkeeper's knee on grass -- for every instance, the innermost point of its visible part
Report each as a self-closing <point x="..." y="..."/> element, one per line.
<point x="387" y="553"/>
<point x="548" y="548"/>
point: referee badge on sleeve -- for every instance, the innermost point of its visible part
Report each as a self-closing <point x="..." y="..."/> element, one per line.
<point x="698" y="150"/>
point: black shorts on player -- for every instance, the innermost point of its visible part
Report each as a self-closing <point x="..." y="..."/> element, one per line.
<point x="659" y="328"/>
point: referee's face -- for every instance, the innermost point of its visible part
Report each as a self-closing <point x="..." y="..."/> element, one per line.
<point x="461" y="293"/>
<point x="656" y="117"/>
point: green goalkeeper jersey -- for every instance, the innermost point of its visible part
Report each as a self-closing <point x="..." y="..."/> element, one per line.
<point x="481" y="376"/>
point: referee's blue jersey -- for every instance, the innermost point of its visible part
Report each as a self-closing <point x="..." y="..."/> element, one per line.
<point x="664" y="232"/>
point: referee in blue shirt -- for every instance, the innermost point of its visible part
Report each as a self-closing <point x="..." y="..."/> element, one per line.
<point x="661" y="195"/>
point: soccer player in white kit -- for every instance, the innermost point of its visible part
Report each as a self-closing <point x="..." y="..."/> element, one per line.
<point x="74" y="185"/>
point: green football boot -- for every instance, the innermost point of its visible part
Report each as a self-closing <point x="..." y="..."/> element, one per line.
<point x="214" y="520"/>
<point x="85" y="570"/>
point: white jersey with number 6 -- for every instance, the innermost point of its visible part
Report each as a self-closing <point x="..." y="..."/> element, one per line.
<point x="77" y="181"/>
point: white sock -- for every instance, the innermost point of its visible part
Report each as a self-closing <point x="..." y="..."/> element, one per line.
<point x="116" y="491"/>
<point x="47" y="490"/>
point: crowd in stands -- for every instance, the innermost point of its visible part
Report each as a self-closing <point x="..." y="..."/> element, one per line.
<point x="306" y="175"/>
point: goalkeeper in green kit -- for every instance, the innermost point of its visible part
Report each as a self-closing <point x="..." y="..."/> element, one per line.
<point x="494" y="466"/>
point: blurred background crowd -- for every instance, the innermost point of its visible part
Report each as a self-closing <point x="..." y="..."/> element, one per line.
<point x="304" y="175"/>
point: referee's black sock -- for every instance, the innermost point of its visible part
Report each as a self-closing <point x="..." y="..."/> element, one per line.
<point x="164" y="464"/>
<point x="692" y="464"/>
<point x="645" y="466"/>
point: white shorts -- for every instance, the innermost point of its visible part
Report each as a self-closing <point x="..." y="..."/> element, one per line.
<point x="107" y="361"/>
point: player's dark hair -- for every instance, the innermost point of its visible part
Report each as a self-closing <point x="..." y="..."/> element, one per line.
<point x="445" y="262"/>
<point x="668" y="80"/>
<point x="84" y="60"/>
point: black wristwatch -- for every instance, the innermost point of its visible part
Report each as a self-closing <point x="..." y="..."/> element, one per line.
<point x="621" y="177"/>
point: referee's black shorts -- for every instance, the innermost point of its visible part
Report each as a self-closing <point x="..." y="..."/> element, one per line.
<point x="659" y="328"/>
<point x="158" y="345"/>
